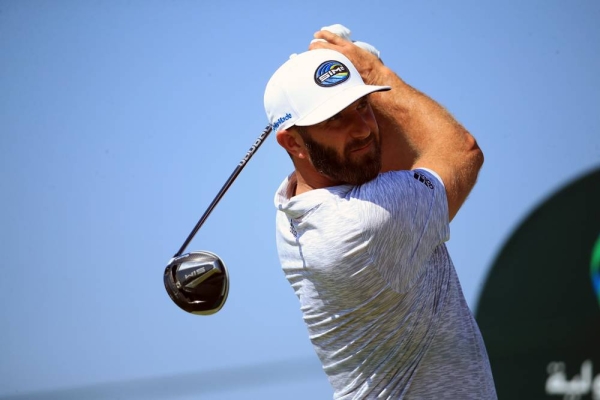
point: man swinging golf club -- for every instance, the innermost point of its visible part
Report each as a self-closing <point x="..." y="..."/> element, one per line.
<point x="380" y="170"/>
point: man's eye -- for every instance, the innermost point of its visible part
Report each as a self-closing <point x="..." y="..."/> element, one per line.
<point x="334" y="118"/>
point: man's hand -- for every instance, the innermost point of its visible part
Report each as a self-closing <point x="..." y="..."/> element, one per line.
<point x="345" y="33"/>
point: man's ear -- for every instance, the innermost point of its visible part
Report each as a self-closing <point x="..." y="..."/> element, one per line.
<point x="292" y="142"/>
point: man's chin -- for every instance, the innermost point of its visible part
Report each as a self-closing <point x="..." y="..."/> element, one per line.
<point x="367" y="172"/>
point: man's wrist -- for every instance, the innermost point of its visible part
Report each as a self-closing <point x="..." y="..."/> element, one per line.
<point x="381" y="75"/>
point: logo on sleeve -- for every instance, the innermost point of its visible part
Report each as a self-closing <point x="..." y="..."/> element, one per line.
<point x="422" y="178"/>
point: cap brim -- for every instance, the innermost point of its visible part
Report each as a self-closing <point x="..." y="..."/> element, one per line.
<point x="337" y="103"/>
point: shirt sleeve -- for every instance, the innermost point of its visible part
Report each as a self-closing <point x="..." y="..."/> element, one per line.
<point x="405" y="215"/>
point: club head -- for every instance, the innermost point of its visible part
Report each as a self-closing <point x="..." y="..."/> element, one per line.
<point x="197" y="282"/>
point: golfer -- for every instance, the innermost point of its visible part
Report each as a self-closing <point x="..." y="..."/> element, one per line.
<point x="380" y="170"/>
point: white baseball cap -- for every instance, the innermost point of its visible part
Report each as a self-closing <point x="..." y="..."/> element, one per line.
<point x="312" y="87"/>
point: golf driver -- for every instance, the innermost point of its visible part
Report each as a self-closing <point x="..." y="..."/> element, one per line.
<point x="198" y="281"/>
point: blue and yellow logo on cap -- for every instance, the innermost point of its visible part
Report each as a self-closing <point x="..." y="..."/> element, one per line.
<point x="331" y="73"/>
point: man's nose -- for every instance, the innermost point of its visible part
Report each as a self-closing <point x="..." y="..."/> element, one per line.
<point x="361" y="126"/>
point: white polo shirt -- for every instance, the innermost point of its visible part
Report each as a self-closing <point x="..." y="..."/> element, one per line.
<point x="378" y="291"/>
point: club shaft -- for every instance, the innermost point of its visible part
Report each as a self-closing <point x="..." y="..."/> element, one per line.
<point x="225" y="187"/>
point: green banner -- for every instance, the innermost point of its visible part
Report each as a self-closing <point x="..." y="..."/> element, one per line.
<point x="539" y="310"/>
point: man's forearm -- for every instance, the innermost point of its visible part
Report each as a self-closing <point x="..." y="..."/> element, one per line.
<point x="411" y="124"/>
<point x="416" y="131"/>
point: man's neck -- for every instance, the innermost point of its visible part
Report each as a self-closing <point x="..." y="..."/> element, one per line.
<point x="299" y="183"/>
<point x="302" y="187"/>
<point x="296" y="186"/>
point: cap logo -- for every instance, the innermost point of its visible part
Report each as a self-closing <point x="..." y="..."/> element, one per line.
<point x="280" y="121"/>
<point x="331" y="73"/>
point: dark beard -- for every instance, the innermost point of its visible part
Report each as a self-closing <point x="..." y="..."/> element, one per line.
<point x="342" y="168"/>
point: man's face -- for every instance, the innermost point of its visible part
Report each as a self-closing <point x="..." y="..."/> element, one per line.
<point x="346" y="148"/>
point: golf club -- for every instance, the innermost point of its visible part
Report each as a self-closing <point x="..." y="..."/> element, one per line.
<point x="198" y="281"/>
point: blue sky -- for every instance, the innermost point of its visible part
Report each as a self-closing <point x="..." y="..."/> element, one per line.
<point x="120" y="121"/>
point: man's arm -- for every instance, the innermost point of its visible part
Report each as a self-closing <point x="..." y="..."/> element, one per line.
<point x="416" y="132"/>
